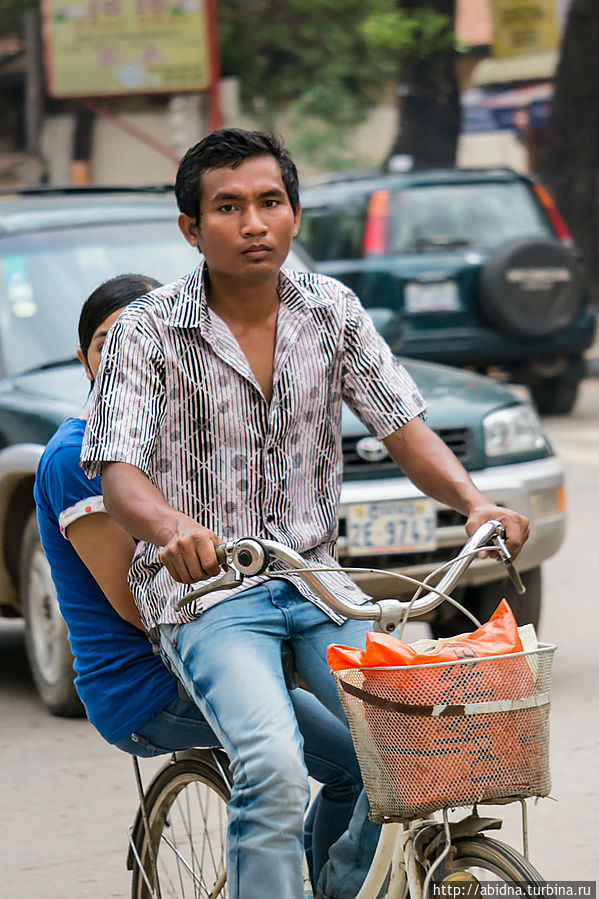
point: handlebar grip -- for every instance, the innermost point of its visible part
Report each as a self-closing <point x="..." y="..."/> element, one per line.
<point x="221" y="553"/>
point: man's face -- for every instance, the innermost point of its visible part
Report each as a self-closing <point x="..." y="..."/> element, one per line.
<point x="246" y="220"/>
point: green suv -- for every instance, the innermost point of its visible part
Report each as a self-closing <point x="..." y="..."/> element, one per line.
<point x="476" y="265"/>
<point x="55" y="247"/>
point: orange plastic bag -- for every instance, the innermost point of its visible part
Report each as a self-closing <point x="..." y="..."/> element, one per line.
<point x="498" y="636"/>
<point x="435" y="752"/>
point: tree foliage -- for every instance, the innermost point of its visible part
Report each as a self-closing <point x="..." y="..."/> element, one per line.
<point x="12" y="13"/>
<point x="324" y="62"/>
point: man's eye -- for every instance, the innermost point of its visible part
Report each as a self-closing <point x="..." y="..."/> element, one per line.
<point x="226" y="207"/>
<point x="271" y="203"/>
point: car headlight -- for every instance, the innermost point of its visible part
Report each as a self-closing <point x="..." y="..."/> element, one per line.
<point x="513" y="431"/>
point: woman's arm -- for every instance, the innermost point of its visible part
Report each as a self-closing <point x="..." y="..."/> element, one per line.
<point x="106" y="549"/>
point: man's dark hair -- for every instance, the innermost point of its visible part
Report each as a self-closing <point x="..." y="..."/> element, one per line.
<point x="230" y="147"/>
<point x="107" y="298"/>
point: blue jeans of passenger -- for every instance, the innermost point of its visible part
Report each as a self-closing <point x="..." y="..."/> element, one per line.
<point x="328" y="753"/>
<point x="229" y="661"/>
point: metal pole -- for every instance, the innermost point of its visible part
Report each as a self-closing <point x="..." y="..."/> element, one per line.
<point x="33" y="83"/>
<point x="215" y="118"/>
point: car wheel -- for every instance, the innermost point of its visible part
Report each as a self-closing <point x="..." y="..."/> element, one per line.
<point x="46" y="640"/>
<point x="554" y="396"/>
<point x="557" y="395"/>
<point x="483" y="599"/>
<point x="530" y="289"/>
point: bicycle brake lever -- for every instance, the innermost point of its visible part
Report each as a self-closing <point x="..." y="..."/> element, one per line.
<point x="231" y="578"/>
<point x="506" y="558"/>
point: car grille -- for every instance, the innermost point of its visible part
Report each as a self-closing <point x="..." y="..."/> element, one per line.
<point x="459" y="440"/>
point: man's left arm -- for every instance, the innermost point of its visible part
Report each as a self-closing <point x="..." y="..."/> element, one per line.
<point x="433" y="468"/>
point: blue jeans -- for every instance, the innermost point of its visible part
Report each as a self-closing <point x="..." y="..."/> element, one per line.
<point x="328" y="753"/>
<point x="229" y="661"/>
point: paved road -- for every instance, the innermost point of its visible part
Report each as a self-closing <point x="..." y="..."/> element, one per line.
<point x="67" y="799"/>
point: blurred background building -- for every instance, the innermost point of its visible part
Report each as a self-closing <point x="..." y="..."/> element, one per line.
<point x="134" y="131"/>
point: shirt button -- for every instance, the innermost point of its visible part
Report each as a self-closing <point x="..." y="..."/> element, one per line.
<point x="270" y="517"/>
<point x="270" y="450"/>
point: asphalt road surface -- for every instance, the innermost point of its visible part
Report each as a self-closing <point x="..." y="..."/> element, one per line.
<point x="67" y="798"/>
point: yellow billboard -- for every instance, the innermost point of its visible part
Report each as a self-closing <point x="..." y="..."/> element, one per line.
<point x="524" y="26"/>
<point x="98" y="48"/>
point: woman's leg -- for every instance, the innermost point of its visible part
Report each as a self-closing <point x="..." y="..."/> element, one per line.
<point x="331" y="760"/>
<point x="178" y="726"/>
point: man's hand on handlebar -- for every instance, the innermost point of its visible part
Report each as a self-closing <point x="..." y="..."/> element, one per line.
<point x="516" y="526"/>
<point x="189" y="555"/>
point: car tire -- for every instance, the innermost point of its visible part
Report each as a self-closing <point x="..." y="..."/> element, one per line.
<point x="557" y="395"/>
<point x="46" y="639"/>
<point x="530" y="288"/>
<point x="554" y="396"/>
<point x="483" y="599"/>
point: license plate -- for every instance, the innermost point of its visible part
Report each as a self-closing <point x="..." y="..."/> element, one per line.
<point x="399" y="526"/>
<point x="438" y="296"/>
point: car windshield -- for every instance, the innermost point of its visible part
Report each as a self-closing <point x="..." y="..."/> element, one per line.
<point x="46" y="276"/>
<point x="481" y="216"/>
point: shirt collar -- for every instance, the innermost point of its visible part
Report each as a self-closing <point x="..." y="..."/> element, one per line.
<point x="191" y="309"/>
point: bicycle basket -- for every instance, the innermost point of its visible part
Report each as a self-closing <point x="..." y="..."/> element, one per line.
<point x="450" y="734"/>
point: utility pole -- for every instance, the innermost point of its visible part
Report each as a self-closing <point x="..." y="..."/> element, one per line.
<point x="33" y="90"/>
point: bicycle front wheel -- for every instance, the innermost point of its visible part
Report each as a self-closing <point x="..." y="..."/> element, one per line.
<point x="186" y="806"/>
<point x="483" y="860"/>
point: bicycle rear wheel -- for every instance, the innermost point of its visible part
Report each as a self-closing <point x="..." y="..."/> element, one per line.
<point x="483" y="860"/>
<point x="186" y="806"/>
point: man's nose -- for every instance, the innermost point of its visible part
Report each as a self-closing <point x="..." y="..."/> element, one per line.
<point x="253" y="222"/>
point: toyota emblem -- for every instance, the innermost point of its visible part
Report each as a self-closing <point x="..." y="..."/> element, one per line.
<point x="371" y="450"/>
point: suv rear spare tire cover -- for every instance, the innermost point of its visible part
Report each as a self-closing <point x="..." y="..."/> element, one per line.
<point x="531" y="288"/>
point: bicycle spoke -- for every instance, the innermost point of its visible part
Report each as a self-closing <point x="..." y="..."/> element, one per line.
<point x="182" y="842"/>
<point x="162" y="857"/>
<point x="207" y="842"/>
<point x="187" y="815"/>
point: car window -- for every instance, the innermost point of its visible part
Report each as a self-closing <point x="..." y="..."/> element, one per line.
<point x="45" y="277"/>
<point x="483" y="216"/>
<point x="334" y="232"/>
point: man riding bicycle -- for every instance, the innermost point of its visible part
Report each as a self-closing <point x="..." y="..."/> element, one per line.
<point x="217" y="414"/>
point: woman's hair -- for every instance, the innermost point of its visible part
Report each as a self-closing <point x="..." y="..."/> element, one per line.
<point x="107" y="298"/>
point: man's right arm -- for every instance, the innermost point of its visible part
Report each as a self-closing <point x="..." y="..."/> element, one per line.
<point x="132" y="500"/>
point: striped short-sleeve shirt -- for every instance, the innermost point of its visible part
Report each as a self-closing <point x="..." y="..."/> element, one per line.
<point x="176" y="397"/>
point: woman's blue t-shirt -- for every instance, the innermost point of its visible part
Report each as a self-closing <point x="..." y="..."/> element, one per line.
<point x="122" y="684"/>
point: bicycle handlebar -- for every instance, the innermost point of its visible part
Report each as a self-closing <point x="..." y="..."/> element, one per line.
<point x="251" y="556"/>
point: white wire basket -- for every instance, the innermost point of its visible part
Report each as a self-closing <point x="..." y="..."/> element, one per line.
<point x="450" y="734"/>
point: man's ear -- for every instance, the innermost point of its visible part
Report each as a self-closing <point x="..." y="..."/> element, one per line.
<point x="297" y="220"/>
<point x="83" y="361"/>
<point x="190" y="230"/>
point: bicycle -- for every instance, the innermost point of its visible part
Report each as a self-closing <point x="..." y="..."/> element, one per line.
<point x="416" y="851"/>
